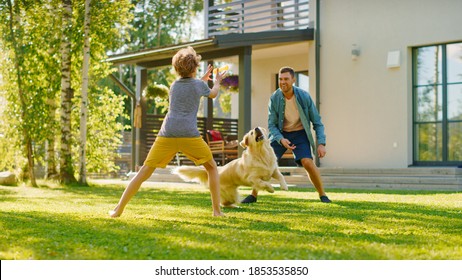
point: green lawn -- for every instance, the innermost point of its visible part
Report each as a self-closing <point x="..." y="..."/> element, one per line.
<point x="174" y="221"/>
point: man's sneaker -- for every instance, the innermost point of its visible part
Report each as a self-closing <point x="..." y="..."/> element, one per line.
<point x="249" y="199"/>
<point x="325" y="199"/>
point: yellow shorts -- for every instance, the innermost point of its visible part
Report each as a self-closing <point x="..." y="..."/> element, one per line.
<point x="164" y="149"/>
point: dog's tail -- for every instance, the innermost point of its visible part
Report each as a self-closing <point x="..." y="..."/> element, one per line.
<point x="192" y="174"/>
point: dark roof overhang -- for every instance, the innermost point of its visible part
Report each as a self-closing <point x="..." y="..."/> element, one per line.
<point x="212" y="48"/>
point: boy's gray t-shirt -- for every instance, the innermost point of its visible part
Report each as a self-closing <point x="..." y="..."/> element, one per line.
<point x="184" y="99"/>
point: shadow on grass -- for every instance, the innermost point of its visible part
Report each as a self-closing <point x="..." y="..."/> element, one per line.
<point x="176" y="224"/>
<point x="6" y="194"/>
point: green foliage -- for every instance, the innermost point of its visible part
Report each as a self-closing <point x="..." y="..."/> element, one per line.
<point x="225" y="102"/>
<point x="109" y="20"/>
<point x="155" y="90"/>
<point x="157" y="23"/>
<point x="11" y="158"/>
<point x="40" y="35"/>
<point x="27" y="42"/>
<point x="104" y="109"/>
<point x="157" y="97"/>
<point x="174" y="221"/>
<point x="229" y="85"/>
<point x="115" y="26"/>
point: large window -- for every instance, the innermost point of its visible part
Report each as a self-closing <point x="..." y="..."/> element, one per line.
<point x="437" y="92"/>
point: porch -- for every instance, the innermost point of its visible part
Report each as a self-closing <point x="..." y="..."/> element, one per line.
<point x="240" y="31"/>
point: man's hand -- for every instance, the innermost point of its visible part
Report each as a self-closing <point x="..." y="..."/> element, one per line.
<point x="321" y="151"/>
<point x="287" y="144"/>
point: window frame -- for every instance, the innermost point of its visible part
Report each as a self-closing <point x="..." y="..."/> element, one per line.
<point x="444" y="122"/>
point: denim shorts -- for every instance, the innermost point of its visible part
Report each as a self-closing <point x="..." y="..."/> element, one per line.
<point x="301" y="142"/>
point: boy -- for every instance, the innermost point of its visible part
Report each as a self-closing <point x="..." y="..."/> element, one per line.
<point x="179" y="130"/>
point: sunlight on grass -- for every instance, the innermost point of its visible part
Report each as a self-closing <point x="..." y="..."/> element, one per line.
<point x="174" y="221"/>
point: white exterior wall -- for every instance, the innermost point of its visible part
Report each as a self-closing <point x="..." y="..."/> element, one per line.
<point x="367" y="107"/>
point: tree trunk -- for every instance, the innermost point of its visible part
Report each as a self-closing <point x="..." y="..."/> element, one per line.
<point x="50" y="143"/>
<point x="50" y="159"/>
<point x="84" y="104"/>
<point x="66" y="165"/>
<point x="18" y="63"/>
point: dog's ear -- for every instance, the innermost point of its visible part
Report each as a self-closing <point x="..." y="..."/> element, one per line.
<point x="244" y="143"/>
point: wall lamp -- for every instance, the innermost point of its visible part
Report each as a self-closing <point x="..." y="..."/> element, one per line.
<point x="355" y="52"/>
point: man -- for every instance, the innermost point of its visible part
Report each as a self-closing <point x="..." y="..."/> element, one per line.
<point x="290" y="114"/>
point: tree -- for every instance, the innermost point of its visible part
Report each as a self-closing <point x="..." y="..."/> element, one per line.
<point x="84" y="103"/>
<point x="67" y="93"/>
<point x="109" y="20"/>
<point x="35" y="32"/>
<point x="17" y="43"/>
<point x="40" y="50"/>
<point x="42" y="93"/>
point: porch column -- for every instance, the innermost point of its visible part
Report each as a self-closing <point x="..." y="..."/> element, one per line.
<point x="141" y="82"/>
<point x="209" y="108"/>
<point x="245" y="94"/>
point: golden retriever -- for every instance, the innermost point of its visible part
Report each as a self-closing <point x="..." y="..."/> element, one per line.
<point x="255" y="168"/>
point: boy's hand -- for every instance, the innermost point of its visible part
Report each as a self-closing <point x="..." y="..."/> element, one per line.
<point x="207" y="74"/>
<point x="219" y="77"/>
<point x="216" y="85"/>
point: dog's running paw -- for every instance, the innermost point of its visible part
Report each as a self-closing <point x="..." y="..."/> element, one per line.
<point x="284" y="187"/>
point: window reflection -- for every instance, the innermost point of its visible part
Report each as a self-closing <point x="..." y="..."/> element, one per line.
<point x="455" y="102"/>
<point x="429" y="65"/>
<point x="429" y="103"/>
<point x="454" y="61"/>
<point x="455" y="142"/>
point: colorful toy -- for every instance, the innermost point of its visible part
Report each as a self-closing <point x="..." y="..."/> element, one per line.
<point x="221" y="69"/>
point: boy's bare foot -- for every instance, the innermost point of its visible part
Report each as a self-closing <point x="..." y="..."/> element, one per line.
<point x="218" y="214"/>
<point x="114" y="214"/>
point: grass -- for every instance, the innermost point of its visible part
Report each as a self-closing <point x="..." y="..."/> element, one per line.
<point x="173" y="221"/>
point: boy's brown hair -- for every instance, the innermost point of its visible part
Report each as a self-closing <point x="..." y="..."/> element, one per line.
<point x="186" y="61"/>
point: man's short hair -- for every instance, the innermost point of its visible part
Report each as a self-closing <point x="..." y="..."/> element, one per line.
<point x="287" y="69"/>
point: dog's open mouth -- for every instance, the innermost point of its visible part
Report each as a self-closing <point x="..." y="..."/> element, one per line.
<point x="259" y="134"/>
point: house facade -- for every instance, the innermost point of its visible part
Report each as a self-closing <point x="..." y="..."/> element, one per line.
<point x="398" y="101"/>
<point x="386" y="75"/>
<point x="387" y="82"/>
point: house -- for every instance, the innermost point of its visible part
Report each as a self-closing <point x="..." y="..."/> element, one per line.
<point x="386" y="75"/>
<point x="379" y="107"/>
